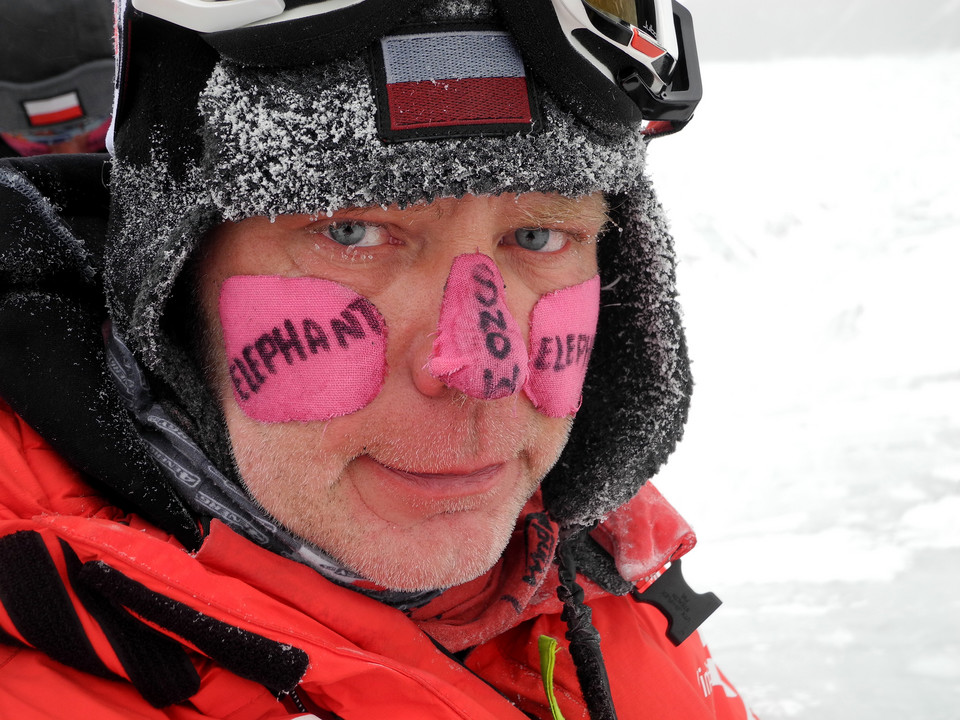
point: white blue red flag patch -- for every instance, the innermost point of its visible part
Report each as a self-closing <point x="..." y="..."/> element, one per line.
<point x="453" y="83"/>
<point x="53" y="110"/>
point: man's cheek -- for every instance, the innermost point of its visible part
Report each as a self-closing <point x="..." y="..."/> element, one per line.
<point x="563" y="327"/>
<point x="301" y="348"/>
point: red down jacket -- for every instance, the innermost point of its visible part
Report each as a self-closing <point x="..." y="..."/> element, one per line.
<point x="105" y="616"/>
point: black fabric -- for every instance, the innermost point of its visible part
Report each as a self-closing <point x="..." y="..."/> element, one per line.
<point x="157" y="666"/>
<point x="162" y="70"/>
<point x="161" y="97"/>
<point x="34" y="597"/>
<point x="52" y="371"/>
<point x="6" y="639"/>
<point x="275" y="665"/>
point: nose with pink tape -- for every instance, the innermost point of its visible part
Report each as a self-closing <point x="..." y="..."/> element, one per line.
<point x="563" y="326"/>
<point x="479" y="348"/>
<point x="301" y="348"/>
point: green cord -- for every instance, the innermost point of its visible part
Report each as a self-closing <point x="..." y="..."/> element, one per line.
<point x="548" y="658"/>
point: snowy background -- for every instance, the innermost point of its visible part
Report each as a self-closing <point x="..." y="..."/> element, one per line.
<point x="815" y="199"/>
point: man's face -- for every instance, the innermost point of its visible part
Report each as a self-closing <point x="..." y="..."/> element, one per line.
<point x="421" y="488"/>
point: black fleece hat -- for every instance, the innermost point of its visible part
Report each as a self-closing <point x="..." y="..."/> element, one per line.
<point x="200" y="140"/>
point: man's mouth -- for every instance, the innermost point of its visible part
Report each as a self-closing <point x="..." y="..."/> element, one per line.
<point x="451" y="484"/>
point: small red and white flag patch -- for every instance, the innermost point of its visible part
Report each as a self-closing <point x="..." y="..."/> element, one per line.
<point x="453" y="83"/>
<point x="53" y="110"/>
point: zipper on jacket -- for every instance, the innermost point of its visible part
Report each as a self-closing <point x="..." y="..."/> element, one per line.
<point x="295" y="699"/>
<point x="301" y="706"/>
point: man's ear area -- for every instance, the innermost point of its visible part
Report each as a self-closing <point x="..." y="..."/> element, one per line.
<point x="190" y="303"/>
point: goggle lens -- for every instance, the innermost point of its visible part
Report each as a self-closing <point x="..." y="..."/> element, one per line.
<point x="625" y="10"/>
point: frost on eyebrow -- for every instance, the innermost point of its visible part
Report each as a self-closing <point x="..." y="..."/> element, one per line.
<point x="547" y="209"/>
<point x="301" y="348"/>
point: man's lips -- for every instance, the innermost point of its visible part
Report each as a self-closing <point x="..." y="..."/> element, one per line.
<point x="445" y="484"/>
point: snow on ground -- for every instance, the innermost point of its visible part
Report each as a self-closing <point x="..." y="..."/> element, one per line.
<point x="816" y="206"/>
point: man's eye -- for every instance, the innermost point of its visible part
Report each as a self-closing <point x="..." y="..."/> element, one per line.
<point x="356" y="234"/>
<point x="539" y="239"/>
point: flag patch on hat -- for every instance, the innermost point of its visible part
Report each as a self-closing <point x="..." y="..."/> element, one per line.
<point x="53" y="110"/>
<point x="453" y="83"/>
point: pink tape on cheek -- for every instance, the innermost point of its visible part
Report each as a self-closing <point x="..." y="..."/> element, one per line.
<point x="301" y="348"/>
<point x="479" y="349"/>
<point x="562" y="330"/>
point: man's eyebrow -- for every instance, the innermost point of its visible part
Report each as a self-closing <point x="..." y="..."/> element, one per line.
<point x="561" y="210"/>
<point x="543" y="210"/>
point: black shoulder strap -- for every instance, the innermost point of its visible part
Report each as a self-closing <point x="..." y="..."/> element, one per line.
<point x="38" y="605"/>
<point x="277" y="666"/>
<point x="35" y="597"/>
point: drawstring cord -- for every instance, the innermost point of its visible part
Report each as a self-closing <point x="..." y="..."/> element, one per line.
<point x="583" y="636"/>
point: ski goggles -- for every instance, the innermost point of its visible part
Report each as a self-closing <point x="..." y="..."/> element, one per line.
<point x="614" y="63"/>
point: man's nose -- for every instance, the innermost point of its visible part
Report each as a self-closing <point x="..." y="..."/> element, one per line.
<point x="479" y="348"/>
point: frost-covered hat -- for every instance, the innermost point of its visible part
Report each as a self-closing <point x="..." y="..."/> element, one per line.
<point x="201" y="139"/>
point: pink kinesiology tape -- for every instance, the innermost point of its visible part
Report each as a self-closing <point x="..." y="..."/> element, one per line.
<point x="301" y="348"/>
<point x="479" y="349"/>
<point x="562" y="330"/>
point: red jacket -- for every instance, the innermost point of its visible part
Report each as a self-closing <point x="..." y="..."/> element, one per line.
<point x="97" y="589"/>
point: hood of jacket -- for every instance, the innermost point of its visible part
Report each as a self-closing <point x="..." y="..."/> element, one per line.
<point x="213" y="139"/>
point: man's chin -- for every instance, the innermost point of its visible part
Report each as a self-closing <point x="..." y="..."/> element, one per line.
<point x="430" y="563"/>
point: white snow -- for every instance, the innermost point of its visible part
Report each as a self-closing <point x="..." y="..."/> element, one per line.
<point x="816" y="207"/>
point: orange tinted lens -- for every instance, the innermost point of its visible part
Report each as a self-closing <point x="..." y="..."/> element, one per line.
<point x="623" y="9"/>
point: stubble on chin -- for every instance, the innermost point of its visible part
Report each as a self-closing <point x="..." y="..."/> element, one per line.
<point x="304" y="489"/>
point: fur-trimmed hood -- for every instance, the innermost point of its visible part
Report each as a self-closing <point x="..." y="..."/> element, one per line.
<point x="213" y="140"/>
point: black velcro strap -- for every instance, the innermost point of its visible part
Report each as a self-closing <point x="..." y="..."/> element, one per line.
<point x="275" y="665"/>
<point x="33" y="594"/>
<point x="594" y="562"/>
<point x="157" y="665"/>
